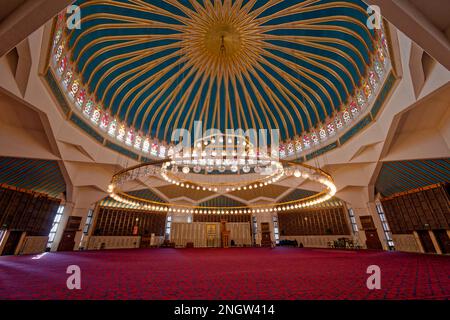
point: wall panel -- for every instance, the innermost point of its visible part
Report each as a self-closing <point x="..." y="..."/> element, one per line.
<point x="240" y="233"/>
<point x="27" y="211"/>
<point x="219" y="217"/>
<point x="106" y="242"/>
<point x="405" y="242"/>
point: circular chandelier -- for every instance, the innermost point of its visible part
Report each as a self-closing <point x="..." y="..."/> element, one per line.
<point x="222" y="163"/>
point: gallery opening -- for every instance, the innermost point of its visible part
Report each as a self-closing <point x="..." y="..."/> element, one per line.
<point x="224" y="150"/>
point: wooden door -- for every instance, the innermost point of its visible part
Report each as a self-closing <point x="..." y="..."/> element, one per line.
<point x="443" y="240"/>
<point x="266" y="240"/>
<point x="426" y="241"/>
<point x="11" y="243"/>
<point x="372" y="239"/>
<point x="67" y="242"/>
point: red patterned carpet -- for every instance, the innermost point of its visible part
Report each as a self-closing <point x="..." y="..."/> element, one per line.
<point x="244" y="273"/>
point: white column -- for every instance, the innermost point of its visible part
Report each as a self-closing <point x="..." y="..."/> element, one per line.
<point x="83" y="201"/>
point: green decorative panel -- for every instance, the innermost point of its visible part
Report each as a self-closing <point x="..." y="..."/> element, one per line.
<point x="86" y="127"/>
<point x="321" y="151"/>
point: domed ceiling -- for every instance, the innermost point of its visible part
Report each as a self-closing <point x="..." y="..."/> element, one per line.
<point x="161" y="65"/>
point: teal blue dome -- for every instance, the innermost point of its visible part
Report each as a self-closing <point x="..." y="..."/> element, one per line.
<point x="161" y="65"/>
